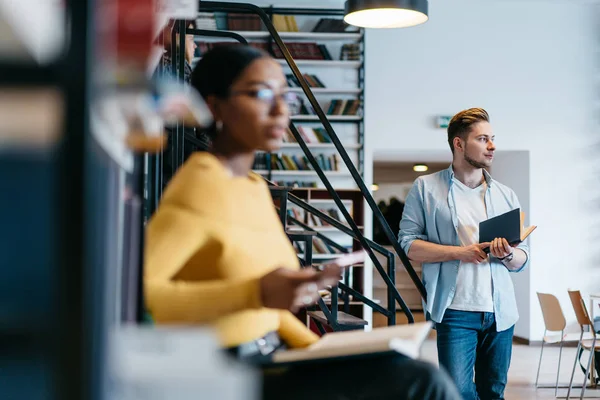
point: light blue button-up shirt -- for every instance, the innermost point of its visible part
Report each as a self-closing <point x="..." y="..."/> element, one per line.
<point x="430" y="215"/>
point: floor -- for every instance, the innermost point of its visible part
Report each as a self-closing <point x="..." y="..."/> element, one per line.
<point x="521" y="376"/>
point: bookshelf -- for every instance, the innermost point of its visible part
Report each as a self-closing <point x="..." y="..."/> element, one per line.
<point x="330" y="55"/>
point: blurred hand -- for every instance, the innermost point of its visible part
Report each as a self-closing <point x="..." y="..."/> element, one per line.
<point x="291" y="290"/>
<point x="474" y="253"/>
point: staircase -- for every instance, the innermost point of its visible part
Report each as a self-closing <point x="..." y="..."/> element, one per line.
<point x="327" y="313"/>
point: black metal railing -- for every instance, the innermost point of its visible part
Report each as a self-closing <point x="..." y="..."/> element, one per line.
<point x="351" y="228"/>
<point x="252" y="9"/>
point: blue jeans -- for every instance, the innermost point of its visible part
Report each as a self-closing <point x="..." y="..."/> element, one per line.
<point x="468" y="340"/>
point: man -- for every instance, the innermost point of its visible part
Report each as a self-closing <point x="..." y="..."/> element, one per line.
<point x="470" y="295"/>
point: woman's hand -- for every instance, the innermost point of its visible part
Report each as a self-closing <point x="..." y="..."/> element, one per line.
<point x="291" y="290"/>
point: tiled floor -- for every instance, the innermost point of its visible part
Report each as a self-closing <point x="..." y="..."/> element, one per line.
<point x="521" y="376"/>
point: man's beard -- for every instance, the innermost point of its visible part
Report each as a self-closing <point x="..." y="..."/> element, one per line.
<point x="475" y="163"/>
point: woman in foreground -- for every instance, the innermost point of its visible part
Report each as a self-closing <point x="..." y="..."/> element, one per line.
<point x="216" y="252"/>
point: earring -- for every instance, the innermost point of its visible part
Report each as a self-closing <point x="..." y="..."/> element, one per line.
<point x="219" y="125"/>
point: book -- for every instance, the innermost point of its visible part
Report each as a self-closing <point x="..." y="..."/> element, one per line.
<point x="402" y="339"/>
<point x="509" y="226"/>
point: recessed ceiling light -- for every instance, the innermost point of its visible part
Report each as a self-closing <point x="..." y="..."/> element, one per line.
<point x="420" y="167"/>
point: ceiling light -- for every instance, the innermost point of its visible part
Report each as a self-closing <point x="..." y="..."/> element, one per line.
<point x="386" y="13"/>
<point x="420" y="167"/>
<point x="374" y="187"/>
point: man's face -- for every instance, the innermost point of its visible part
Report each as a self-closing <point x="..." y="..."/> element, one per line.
<point x="478" y="149"/>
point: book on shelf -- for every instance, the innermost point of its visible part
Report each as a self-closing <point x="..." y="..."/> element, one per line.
<point x="350" y="52"/>
<point x="306" y="108"/>
<point x="325" y="52"/>
<point x="286" y="162"/>
<point x="313" y="135"/>
<point x="285" y="23"/>
<point x="320" y="248"/>
<point x="312" y="80"/>
<point x="244" y="22"/>
<point x="203" y="47"/>
<point x="312" y="220"/>
<point x="343" y="107"/>
<point x="334" y="25"/>
<point x="301" y="51"/>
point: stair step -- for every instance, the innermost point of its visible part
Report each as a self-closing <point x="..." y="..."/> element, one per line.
<point x="279" y="189"/>
<point x="352" y="302"/>
<point x="342" y="318"/>
<point x="319" y="266"/>
<point x="300" y="235"/>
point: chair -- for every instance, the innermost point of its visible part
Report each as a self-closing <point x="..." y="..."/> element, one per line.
<point x="554" y="321"/>
<point x="583" y="319"/>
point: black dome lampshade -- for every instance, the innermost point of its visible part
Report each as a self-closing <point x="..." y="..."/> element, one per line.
<point x="386" y="13"/>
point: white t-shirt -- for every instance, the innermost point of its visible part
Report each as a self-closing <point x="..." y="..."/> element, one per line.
<point x="474" y="281"/>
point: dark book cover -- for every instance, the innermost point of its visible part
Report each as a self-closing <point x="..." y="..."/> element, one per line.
<point x="508" y="226"/>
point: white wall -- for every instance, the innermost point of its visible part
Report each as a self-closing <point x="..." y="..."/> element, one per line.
<point x="530" y="64"/>
<point x="512" y="168"/>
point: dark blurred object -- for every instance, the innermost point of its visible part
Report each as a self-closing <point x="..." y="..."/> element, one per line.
<point x="392" y="213"/>
<point x="201" y="142"/>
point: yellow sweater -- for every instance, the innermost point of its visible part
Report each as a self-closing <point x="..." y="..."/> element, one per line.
<point x="211" y="239"/>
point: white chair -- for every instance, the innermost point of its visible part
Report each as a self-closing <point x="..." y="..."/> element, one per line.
<point x="583" y="319"/>
<point x="554" y="321"/>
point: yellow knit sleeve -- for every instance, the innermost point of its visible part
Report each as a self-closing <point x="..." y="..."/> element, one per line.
<point x="172" y="238"/>
<point x="293" y="332"/>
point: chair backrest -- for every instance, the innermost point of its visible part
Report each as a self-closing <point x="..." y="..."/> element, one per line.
<point x="554" y="319"/>
<point x="583" y="318"/>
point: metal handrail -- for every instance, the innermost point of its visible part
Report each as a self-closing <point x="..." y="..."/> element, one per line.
<point x="250" y="8"/>
<point x="393" y="293"/>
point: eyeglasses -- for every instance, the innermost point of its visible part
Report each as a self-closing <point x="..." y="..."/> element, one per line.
<point x="269" y="97"/>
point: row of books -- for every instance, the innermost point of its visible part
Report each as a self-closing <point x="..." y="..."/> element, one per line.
<point x="350" y="52"/>
<point x="349" y="107"/>
<point x="294" y="162"/>
<point x="251" y="22"/>
<point x="319" y="247"/>
<point x="310" y="135"/>
<point x="312" y="80"/>
<point x="310" y="219"/>
<point x="297" y="184"/>
<point x="343" y="107"/>
<point x="298" y="50"/>
<point x="303" y="51"/>
<point x="229" y="21"/>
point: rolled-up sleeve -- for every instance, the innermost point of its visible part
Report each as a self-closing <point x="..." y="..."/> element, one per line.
<point x="523" y="245"/>
<point x="412" y="224"/>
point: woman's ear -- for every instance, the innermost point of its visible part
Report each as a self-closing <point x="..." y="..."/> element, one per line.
<point x="214" y="106"/>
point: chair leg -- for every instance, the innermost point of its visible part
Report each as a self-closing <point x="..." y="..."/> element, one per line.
<point x="540" y="362"/>
<point x="558" y="369"/>
<point x="573" y="372"/>
<point x="587" y="369"/>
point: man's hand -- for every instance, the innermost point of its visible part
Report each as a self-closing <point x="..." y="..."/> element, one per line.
<point x="473" y="253"/>
<point x="500" y="248"/>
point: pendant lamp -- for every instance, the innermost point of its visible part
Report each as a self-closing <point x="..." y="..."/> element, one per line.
<point x="386" y="13"/>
